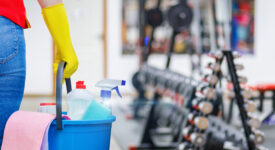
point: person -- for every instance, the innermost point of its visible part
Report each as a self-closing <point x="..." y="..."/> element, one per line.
<point x="12" y="50"/>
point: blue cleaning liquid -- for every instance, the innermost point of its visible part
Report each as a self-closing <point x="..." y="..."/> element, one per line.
<point x="96" y="111"/>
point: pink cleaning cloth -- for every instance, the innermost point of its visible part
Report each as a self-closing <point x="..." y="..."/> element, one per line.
<point x="26" y="130"/>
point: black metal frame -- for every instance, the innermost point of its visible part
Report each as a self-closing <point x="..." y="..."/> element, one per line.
<point x="239" y="98"/>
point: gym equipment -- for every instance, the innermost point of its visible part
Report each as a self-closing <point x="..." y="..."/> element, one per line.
<point x="180" y="16"/>
<point x="184" y="122"/>
<point x="263" y="88"/>
<point x="236" y="80"/>
<point x="140" y="101"/>
<point x="154" y="17"/>
<point x="196" y="124"/>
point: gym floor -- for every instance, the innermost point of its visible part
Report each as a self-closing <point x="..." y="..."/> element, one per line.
<point x="128" y="132"/>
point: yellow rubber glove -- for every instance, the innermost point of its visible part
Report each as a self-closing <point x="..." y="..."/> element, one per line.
<point x="56" y="20"/>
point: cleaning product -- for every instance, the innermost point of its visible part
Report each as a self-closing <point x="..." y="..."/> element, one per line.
<point x="103" y="109"/>
<point x="49" y="108"/>
<point x="78" y="101"/>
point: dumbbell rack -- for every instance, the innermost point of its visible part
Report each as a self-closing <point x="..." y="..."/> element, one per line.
<point x="232" y="70"/>
<point x="239" y="98"/>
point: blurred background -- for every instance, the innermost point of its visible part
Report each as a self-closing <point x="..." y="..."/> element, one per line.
<point x="87" y="29"/>
<point x="106" y="37"/>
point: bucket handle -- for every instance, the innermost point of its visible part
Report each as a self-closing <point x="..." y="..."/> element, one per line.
<point x="59" y="78"/>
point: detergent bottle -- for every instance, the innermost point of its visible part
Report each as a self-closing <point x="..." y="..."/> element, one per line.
<point x="78" y="101"/>
<point x="103" y="108"/>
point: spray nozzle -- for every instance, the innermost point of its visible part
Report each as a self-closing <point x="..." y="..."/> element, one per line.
<point x="108" y="85"/>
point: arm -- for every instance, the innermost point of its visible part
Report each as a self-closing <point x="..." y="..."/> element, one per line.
<point x="48" y="3"/>
<point x="55" y="17"/>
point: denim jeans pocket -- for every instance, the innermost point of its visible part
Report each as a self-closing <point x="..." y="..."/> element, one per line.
<point x="8" y="40"/>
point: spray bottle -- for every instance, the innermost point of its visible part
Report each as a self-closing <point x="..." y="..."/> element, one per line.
<point x="103" y="109"/>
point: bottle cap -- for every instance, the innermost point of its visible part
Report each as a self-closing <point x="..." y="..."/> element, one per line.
<point x="80" y="85"/>
<point x="47" y="104"/>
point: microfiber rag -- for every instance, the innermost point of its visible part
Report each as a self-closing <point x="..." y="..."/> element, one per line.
<point x="27" y="131"/>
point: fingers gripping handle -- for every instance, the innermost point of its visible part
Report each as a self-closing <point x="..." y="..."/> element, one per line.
<point x="59" y="78"/>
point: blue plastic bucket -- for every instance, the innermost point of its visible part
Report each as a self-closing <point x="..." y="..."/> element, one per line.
<point x="81" y="135"/>
<point x="77" y="135"/>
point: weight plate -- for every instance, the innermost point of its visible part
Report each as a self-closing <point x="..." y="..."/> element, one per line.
<point x="154" y="17"/>
<point x="180" y="17"/>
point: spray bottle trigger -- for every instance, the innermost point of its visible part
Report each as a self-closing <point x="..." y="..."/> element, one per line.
<point x="117" y="91"/>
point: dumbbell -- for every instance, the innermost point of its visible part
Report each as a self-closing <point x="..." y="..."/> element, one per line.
<point x="176" y="86"/>
<point x="206" y="92"/>
<point x="185" y="146"/>
<point x="230" y="146"/>
<point x="253" y="121"/>
<point x="199" y="121"/>
<point x="217" y="55"/>
<point x="216" y="67"/>
<point x="211" y="79"/>
<point x="160" y="84"/>
<point x="173" y="80"/>
<point x="243" y="79"/>
<point x="154" y="17"/>
<point x="180" y="16"/>
<point x="181" y="90"/>
<point x="167" y="79"/>
<point x="236" y="55"/>
<point x="250" y="106"/>
<point x="257" y="137"/>
<point x="202" y="106"/>
<point x="142" y="75"/>
<point x="239" y="67"/>
<point x="247" y="93"/>
<point x="197" y="139"/>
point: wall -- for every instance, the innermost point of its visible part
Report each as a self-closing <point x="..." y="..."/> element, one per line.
<point x="86" y="23"/>
<point x="38" y="52"/>
<point x="258" y="67"/>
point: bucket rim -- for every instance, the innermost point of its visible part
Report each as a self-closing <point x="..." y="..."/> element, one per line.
<point x="109" y="120"/>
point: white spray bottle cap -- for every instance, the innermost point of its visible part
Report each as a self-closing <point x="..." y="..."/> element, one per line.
<point x="107" y="85"/>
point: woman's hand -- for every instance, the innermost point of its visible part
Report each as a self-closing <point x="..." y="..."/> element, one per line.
<point x="55" y="17"/>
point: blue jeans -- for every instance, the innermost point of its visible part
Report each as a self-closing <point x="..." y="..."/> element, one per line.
<point x="12" y="70"/>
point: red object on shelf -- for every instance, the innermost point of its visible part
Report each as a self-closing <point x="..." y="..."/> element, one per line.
<point x="266" y="87"/>
<point x="47" y="104"/>
<point x="80" y="85"/>
<point x="230" y="86"/>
